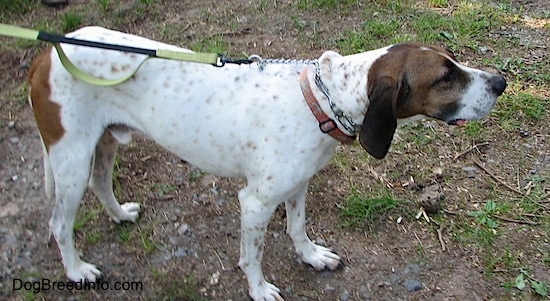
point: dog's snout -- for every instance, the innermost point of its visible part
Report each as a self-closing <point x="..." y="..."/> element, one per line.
<point x="498" y="84"/>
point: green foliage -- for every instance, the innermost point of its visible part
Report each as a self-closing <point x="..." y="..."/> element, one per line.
<point x="438" y="3"/>
<point x="512" y="109"/>
<point x="538" y="287"/>
<point x="360" y="209"/>
<point x="70" y="21"/>
<point x="325" y="4"/>
<point x="465" y="27"/>
<point x="104" y="4"/>
<point x="484" y="216"/>
<point x="16" y="6"/>
<point x="474" y="129"/>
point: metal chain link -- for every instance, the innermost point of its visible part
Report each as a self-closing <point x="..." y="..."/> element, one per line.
<point x="349" y="125"/>
<point x="262" y="63"/>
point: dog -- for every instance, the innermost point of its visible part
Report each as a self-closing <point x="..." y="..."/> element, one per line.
<point x="276" y="126"/>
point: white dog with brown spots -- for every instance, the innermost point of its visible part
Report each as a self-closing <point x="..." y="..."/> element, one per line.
<point x="276" y="127"/>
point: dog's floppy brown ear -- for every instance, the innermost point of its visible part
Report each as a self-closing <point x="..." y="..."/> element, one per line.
<point x="380" y="120"/>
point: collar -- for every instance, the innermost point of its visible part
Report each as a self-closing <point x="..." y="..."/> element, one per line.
<point x="326" y="125"/>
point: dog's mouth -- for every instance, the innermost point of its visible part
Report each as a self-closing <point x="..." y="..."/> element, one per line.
<point x="459" y="122"/>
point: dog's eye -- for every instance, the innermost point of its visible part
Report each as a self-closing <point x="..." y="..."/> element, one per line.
<point x="447" y="77"/>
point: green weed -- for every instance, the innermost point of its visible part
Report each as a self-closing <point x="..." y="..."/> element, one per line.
<point x="485" y="215"/>
<point x="438" y="3"/>
<point x="537" y="286"/>
<point x="474" y="129"/>
<point x="181" y="289"/>
<point x="195" y="175"/>
<point x="70" y="21"/>
<point x="360" y="209"/>
<point x="162" y="189"/>
<point x="104" y="4"/>
<point x="214" y="44"/>
<point x="16" y="6"/>
<point x="325" y="4"/>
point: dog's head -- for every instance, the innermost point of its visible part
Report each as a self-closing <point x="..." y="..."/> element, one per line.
<point x="419" y="80"/>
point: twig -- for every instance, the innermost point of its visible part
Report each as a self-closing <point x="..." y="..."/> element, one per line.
<point x="543" y="206"/>
<point x="221" y="263"/>
<point x="496" y="178"/>
<point x="516" y="221"/>
<point x="440" y="236"/>
<point x="347" y="256"/>
<point x="475" y="146"/>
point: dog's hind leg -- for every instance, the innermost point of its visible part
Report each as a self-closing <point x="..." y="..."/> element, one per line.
<point x="317" y="256"/>
<point x="101" y="181"/>
<point x="70" y="164"/>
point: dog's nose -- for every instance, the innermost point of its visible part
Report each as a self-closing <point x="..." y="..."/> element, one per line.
<point x="498" y="83"/>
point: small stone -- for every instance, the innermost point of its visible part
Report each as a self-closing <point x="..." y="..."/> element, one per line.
<point x="14" y="140"/>
<point x="383" y="283"/>
<point x="412" y="285"/>
<point x="183" y="229"/>
<point x="11" y="124"/>
<point x="344" y="296"/>
<point x="328" y="288"/>
<point x="181" y="252"/>
<point x="14" y="178"/>
<point x="469" y="169"/>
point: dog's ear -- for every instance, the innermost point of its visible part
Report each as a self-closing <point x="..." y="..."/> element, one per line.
<point x="380" y="120"/>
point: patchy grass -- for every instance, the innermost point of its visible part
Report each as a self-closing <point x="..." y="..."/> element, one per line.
<point x="17" y="7"/>
<point x="365" y="210"/>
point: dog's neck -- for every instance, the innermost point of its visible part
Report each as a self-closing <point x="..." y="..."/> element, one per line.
<point x="346" y="80"/>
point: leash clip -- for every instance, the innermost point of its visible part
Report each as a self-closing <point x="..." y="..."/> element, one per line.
<point x="220" y="62"/>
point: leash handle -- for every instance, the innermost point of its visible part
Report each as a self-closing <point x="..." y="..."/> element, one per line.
<point x="30" y="34"/>
<point x="18" y="32"/>
<point x="88" y="78"/>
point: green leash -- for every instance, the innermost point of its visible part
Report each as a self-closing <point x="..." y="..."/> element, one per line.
<point x="214" y="59"/>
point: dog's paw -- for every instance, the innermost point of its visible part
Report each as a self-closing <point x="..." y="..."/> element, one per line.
<point x="131" y="211"/>
<point x="265" y="292"/>
<point x="127" y="212"/>
<point x="84" y="271"/>
<point x="320" y="257"/>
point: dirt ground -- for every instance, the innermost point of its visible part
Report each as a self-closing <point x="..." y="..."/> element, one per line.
<point x="185" y="246"/>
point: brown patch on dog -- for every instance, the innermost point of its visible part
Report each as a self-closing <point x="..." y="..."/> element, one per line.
<point x="46" y="112"/>
<point x="411" y="79"/>
<point x="429" y="83"/>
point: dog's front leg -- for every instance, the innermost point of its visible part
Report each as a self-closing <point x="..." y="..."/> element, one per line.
<point x="255" y="215"/>
<point x="317" y="256"/>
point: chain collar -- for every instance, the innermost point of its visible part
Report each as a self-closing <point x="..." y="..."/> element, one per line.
<point x="340" y="116"/>
<point x="346" y="122"/>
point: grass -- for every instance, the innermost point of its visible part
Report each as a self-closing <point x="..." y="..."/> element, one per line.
<point x="184" y="288"/>
<point x="467" y="28"/>
<point x="365" y="210"/>
<point x="18" y="7"/>
<point x="70" y="21"/>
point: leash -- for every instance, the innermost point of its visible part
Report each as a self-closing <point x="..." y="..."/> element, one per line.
<point x="215" y="59"/>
